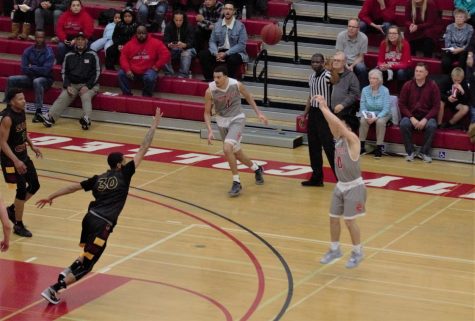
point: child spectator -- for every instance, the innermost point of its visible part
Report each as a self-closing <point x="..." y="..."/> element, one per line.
<point x="457" y="39"/>
<point x="394" y="57"/>
<point x="456" y="98"/>
<point x="123" y="32"/>
<point x="106" y="40"/>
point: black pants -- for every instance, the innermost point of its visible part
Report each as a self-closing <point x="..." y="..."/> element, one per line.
<point x="426" y="45"/>
<point x="448" y="59"/>
<point x="208" y="63"/>
<point x="112" y="57"/>
<point x="201" y="38"/>
<point x="319" y="135"/>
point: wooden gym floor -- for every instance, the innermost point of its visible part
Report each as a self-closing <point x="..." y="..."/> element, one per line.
<point x="184" y="251"/>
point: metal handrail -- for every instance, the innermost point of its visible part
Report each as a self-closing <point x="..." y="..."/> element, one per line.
<point x="263" y="74"/>
<point x="326" y="17"/>
<point x="293" y="33"/>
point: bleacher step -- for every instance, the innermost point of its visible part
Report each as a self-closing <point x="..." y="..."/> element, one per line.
<point x="335" y="11"/>
<point x="260" y="136"/>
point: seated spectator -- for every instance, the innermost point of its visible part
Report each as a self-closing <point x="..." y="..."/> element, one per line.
<point x="179" y="39"/>
<point x="346" y="87"/>
<point x="155" y="9"/>
<point x="394" y="56"/>
<point x="227" y="45"/>
<point x="142" y="58"/>
<point x="106" y="40"/>
<point x="81" y="70"/>
<point x="377" y="14"/>
<point x="419" y="102"/>
<point x="456" y="98"/>
<point x="70" y="24"/>
<point x="471" y="128"/>
<point x="422" y="26"/>
<point x="37" y="71"/>
<point x="209" y="13"/>
<point x="354" y="44"/>
<point x="123" y="32"/>
<point x="457" y="39"/>
<point x="23" y="12"/>
<point x="48" y="12"/>
<point x="469" y="6"/>
<point x="374" y="109"/>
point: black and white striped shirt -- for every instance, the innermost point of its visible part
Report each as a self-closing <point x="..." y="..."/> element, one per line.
<point x="320" y="85"/>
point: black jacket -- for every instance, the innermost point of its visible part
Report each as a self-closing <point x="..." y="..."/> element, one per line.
<point x="81" y="68"/>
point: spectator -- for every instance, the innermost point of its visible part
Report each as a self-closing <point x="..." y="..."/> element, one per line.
<point x="142" y="57"/>
<point x="48" y="12"/>
<point x="155" y="8"/>
<point x="227" y="45"/>
<point x="209" y="13"/>
<point x="81" y="70"/>
<point x="106" y="40"/>
<point x="419" y="102"/>
<point x="37" y="71"/>
<point x="394" y="56"/>
<point x="378" y="14"/>
<point x="346" y="88"/>
<point x="457" y="39"/>
<point x="471" y="128"/>
<point x="179" y="40"/>
<point x="70" y="24"/>
<point x="123" y="32"/>
<point x="422" y="26"/>
<point x="354" y="44"/>
<point x="469" y="6"/>
<point x="456" y="99"/>
<point x="23" y="12"/>
<point x="375" y="109"/>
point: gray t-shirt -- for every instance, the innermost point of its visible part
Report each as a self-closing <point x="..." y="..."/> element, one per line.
<point x="352" y="47"/>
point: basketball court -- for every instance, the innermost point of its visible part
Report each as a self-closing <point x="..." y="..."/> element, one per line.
<point x="184" y="251"/>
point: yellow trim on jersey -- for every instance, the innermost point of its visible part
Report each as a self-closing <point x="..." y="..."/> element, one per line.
<point x="88" y="255"/>
<point x="10" y="170"/>
<point x="99" y="242"/>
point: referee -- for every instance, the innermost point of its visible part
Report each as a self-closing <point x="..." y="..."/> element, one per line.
<point x="318" y="132"/>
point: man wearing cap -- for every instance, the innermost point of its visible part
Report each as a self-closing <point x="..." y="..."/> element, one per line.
<point x="110" y="191"/>
<point x="81" y="70"/>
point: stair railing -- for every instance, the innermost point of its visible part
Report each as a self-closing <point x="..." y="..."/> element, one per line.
<point x="263" y="77"/>
<point x="292" y="34"/>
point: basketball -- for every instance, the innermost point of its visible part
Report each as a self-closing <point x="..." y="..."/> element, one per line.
<point x="271" y="34"/>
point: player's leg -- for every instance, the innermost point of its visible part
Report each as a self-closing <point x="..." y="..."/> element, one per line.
<point x="355" y="199"/>
<point x="336" y="211"/>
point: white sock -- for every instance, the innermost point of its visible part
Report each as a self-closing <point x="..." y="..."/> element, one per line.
<point x="236" y="178"/>
<point x="334" y="246"/>
<point x="254" y="166"/>
<point x="357" y="248"/>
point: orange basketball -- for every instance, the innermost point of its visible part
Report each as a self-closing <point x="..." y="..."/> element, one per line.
<point x="271" y="34"/>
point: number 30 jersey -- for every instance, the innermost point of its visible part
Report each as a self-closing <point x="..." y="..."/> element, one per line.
<point x="110" y="191"/>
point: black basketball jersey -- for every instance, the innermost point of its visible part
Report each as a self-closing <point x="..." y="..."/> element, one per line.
<point x="110" y="191"/>
<point x="17" y="136"/>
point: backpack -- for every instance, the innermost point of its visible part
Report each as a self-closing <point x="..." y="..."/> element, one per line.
<point x="106" y="16"/>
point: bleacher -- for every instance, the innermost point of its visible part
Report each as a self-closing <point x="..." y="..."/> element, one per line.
<point x="181" y="98"/>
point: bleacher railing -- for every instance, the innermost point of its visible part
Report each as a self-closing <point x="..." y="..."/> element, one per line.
<point x="263" y="74"/>
<point x="292" y="34"/>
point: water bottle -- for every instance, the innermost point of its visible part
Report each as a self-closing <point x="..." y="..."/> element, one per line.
<point x="243" y="15"/>
<point x="162" y="27"/>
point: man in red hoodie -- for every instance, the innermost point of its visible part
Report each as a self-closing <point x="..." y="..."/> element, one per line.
<point x="141" y="58"/>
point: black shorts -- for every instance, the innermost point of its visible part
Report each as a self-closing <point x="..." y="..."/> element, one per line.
<point x="94" y="235"/>
<point x="11" y="175"/>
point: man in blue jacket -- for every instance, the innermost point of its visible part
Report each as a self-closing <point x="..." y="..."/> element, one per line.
<point x="227" y="45"/>
<point x="37" y="71"/>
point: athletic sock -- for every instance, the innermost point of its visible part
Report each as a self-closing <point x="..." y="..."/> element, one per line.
<point x="357" y="248"/>
<point x="334" y="246"/>
<point x="254" y="166"/>
<point x="236" y="178"/>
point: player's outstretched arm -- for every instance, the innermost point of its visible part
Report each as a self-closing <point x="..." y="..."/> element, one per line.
<point x="147" y="141"/>
<point x="247" y="95"/>
<point x="62" y="191"/>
